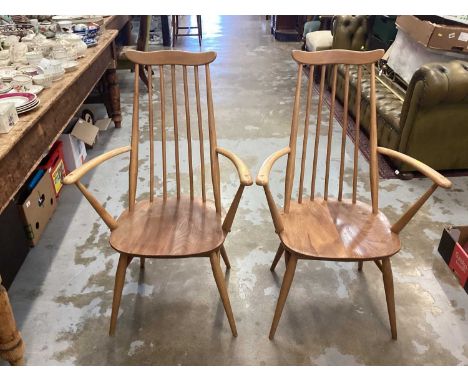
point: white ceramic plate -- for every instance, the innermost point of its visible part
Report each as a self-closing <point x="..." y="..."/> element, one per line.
<point x="17" y="100"/>
<point x="7" y="73"/>
<point x="70" y="66"/>
<point x="35" y="89"/>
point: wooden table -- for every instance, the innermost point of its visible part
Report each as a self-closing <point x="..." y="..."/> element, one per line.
<point x="28" y="142"/>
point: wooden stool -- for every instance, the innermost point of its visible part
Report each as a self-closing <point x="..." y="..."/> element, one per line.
<point x="176" y="27"/>
<point x="11" y="343"/>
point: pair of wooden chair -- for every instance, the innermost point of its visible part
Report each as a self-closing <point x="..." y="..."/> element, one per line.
<point x="325" y="228"/>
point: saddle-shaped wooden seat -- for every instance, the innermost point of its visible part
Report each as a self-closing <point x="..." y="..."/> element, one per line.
<point x="333" y="230"/>
<point x="171" y="228"/>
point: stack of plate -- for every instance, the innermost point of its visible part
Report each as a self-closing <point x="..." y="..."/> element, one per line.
<point x="24" y="102"/>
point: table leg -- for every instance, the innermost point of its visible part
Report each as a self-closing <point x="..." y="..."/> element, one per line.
<point x="114" y="94"/>
<point x="11" y="343"/>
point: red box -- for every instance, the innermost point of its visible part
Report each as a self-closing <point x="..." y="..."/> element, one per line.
<point x="453" y="247"/>
<point x="459" y="263"/>
<point x="54" y="165"/>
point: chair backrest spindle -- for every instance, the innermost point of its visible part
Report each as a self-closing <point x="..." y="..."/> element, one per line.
<point x="317" y="131"/>
<point x="200" y="132"/>
<point x="189" y="132"/>
<point x="330" y="131"/>
<point x="151" y="128"/>
<point x="176" y="128"/>
<point x="306" y="131"/>
<point x="163" y="127"/>
<point x="356" y="136"/>
<point x="343" y="133"/>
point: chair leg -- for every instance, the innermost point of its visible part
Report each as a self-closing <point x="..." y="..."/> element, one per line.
<point x="199" y="30"/>
<point x="218" y="275"/>
<point x="360" y="264"/>
<point x="278" y="255"/>
<point x="389" y="294"/>
<point x="119" y="283"/>
<point x="225" y="257"/>
<point x="287" y="256"/>
<point x="142" y="262"/>
<point x="287" y="281"/>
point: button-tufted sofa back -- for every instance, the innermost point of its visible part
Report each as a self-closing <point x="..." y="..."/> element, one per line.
<point x="349" y="32"/>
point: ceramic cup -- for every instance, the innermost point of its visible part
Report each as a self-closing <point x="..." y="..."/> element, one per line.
<point x="59" y="53"/>
<point x="65" y="26"/>
<point x="44" y="80"/>
<point x="34" y="57"/>
<point x="21" y="83"/>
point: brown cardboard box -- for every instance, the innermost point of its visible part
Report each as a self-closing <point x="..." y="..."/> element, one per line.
<point x="433" y="35"/>
<point x="37" y="209"/>
<point x="453" y="247"/>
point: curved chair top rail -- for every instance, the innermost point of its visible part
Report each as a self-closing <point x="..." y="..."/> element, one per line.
<point x="337" y="56"/>
<point x="170" y="57"/>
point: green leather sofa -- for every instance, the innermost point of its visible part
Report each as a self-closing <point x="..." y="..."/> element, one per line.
<point x="428" y="121"/>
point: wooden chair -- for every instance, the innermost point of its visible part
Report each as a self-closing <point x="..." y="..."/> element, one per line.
<point x="164" y="226"/>
<point x="176" y="28"/>
<point x="328" y="228"/>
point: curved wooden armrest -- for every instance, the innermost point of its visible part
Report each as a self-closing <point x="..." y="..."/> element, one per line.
<point x="242" y="169"/>
<point x="424" y="169"/>
<point x="77" y="174"/>
<point x="264" y="173"/>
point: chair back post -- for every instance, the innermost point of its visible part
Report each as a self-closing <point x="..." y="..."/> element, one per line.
<point x="292" y="143"/>
<point x="215" y="176"/>
<point x="374" y="172"/>
<point x="133" y="173"/>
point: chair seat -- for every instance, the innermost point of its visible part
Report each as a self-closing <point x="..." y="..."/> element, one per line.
<point x="171" y="228"/>
<point x="332" y="230"/>
<point x="319" y="40"/>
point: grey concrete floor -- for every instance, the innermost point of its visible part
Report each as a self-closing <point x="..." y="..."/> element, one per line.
<point x="171" y="313"/>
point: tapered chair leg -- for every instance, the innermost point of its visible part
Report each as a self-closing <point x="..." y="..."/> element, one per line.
<point x="218" y="275"/>
<point x="360" y="264"/>
<point x="287" y="256"/>
<point x="278" y="255"/>
<point x="225" y="257"/>
<point x="119" y="283"/>
<point x="389" y="294"/>
<point x="287" y="281"/>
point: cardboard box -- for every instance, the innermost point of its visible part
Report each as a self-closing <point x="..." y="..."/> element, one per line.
<point x="453" y="247"/>
<point x="435" y="35"/>
<point x="74" y="148"/>
<point x="37" y="208"/>
<point x="53" y="164"/>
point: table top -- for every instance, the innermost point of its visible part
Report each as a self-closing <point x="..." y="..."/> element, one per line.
<point x="48" y="96"/>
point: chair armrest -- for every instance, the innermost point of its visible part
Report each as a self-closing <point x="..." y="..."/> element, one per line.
<point x="264" y="173"/>
<point x="424" y="169"/>
<point x="242" y="169"/>
<point x="78" y="173"/>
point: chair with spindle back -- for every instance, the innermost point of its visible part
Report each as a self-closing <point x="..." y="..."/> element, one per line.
<point x="336" y="229"/>
<point x="165" y="226"/>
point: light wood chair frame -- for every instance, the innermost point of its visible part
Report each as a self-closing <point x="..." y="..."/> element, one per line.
<point x="184" y="59"/>
<point x="329" y="60"/>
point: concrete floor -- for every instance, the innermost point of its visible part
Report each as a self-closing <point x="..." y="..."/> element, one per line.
<point x="171" y="313"/>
